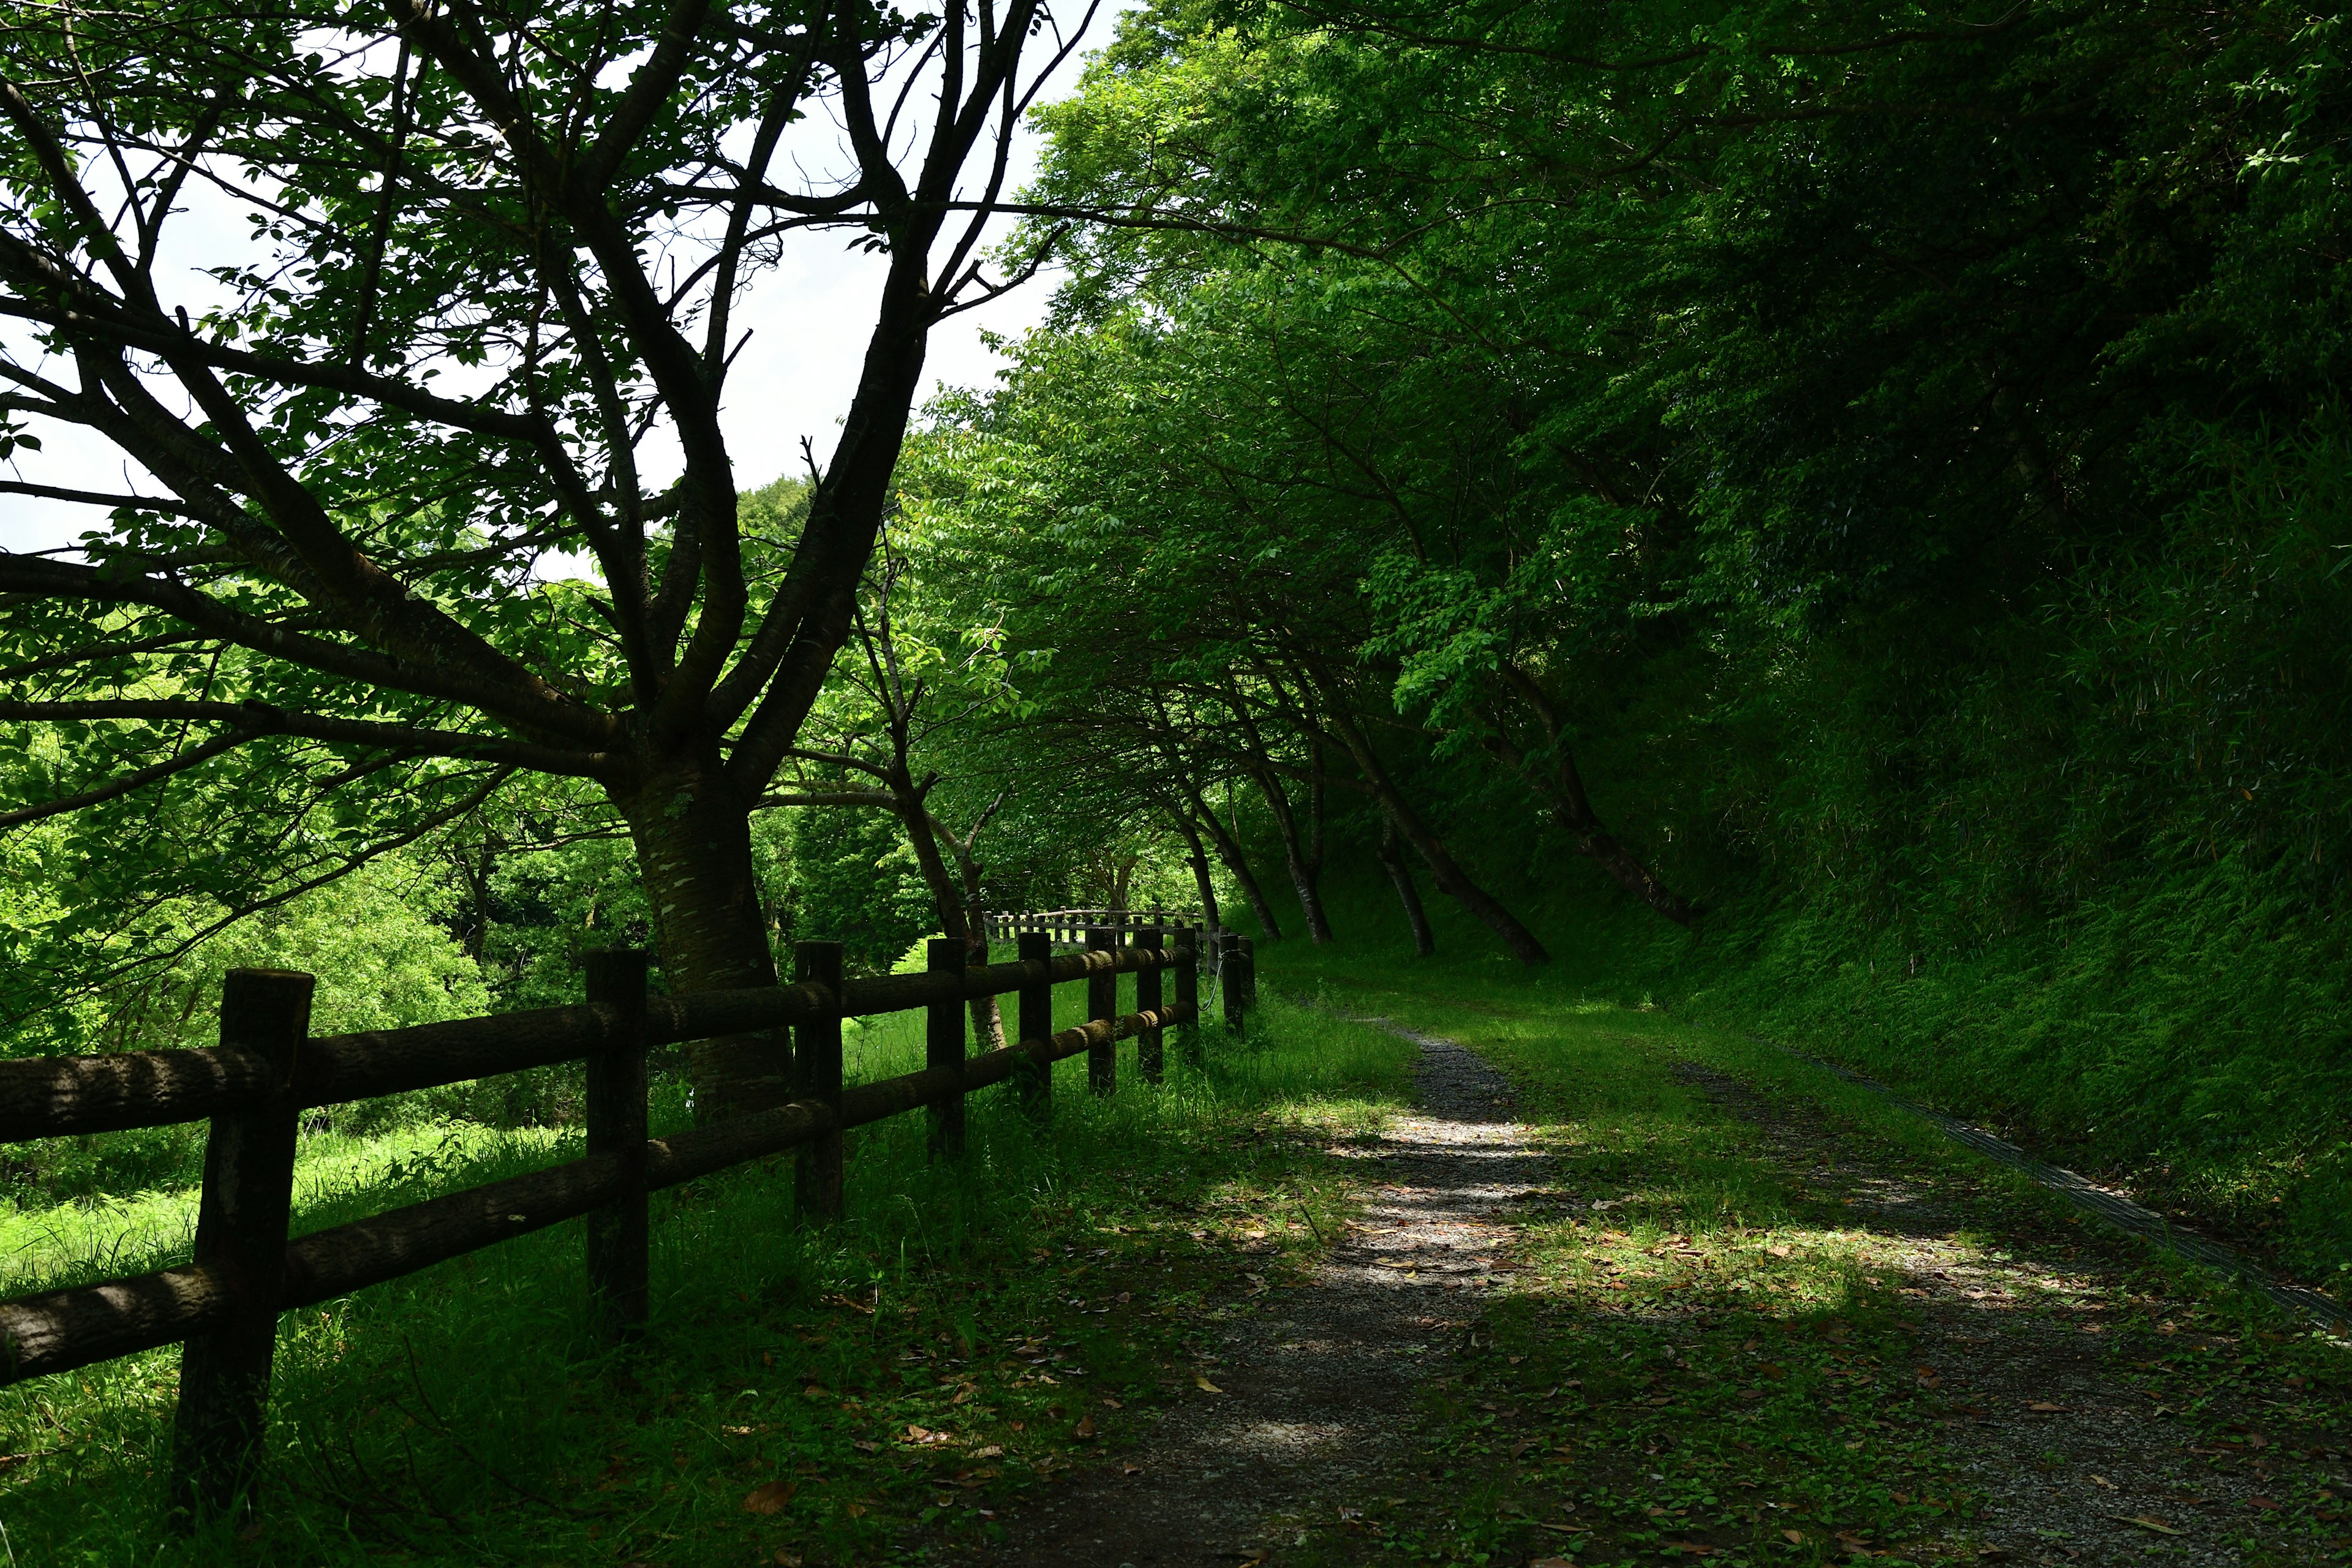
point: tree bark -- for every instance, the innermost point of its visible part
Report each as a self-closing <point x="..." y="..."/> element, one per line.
<point x="1391" y="853"/>
<point x="1237" y="862"/>
<point x="1571" y="810"/>
<point x="1451" y="878"/>
<point x="1199" y="857"/>
<point x="1305" y="868"/>
<point x="956" y="921"/>
<point x="693" y="839"/>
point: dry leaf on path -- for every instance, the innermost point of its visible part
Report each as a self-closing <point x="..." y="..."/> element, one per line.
<point x="2145" y="1523"/>
<point x="2044" y="1406"/>
<point x="772" y="1498"/>
<point x="1205" y="1386"/>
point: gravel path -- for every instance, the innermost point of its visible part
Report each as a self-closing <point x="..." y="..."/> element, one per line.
<point x="2076" y="1464"/>
<point x="1315" y="1394"/>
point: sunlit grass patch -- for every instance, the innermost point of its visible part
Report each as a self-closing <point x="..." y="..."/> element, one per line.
<point x="972" y="1330"/>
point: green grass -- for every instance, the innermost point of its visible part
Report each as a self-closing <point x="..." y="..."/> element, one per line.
<point x="970" y="1331"/>
<point x="2183" y="1038"/>
<point x="1722" y="1360"/>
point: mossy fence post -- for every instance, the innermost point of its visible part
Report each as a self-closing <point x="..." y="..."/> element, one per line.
<point x="1188" y="996"/>
<point x="1036" y="1022"/>
<point x="1148" y="1061"/>
<point x="1102" y="1005"/>
<point x="817" y="1061"/>
<point x="944" y="1034"/>
<point x="618" y="1233"/>
<point x="241" y="1220"/>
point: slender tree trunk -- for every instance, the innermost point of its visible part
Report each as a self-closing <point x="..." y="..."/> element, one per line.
<point x="1391" y="852"/>
<point x="957" y="923"/>
<point x="1451" y="878"/>
<point x="1303" y="868"/>
<point x="1199" y="857"/>
<point x="1230" y="852"/>
<point x="693" y="839"/>
<point x="1562" y="791"/>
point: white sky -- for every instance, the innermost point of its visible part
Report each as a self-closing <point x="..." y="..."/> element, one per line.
<point x="809" y="318"/>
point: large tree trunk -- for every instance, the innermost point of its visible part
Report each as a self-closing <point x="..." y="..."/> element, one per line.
<point x="1305" y="868"/>
<point x="1451" y="878"/>
<point x="1229" y="850"/>
<point x="693" y="839"/>
<point x="1391" y="852"/>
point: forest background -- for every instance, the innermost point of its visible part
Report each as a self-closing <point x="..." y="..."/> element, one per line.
<point x="1834" y="518"/>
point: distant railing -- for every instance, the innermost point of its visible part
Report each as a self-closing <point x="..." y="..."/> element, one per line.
<point x="1228" y="959"/>
<point x="268" y="1070"/>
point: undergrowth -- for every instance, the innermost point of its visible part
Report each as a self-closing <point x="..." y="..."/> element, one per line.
<point x="824" y="1396"/>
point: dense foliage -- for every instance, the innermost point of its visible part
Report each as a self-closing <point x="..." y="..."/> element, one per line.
<point x="1845" y="511"/>
<point x="1871" y="473"/>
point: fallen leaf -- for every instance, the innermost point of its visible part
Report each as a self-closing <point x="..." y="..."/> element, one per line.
<point x="1205" y="1386"/>
<point x="1086" y="1427"/>
<point x="2157" y="1525"/>
<point x="1551" y="1563"/>
<point x="867" y="1446"/>
<point x="2103" y="1480"/>
<point x="772" y="1498"/>
<point x="2046" y="1407"/>
<point x="787" y="1559"/>
<point x="991" y="1452"/>
<point x="1795" y="1537"/>
<point x="2261" y="1502"/>
<point x="854" y="1510"/>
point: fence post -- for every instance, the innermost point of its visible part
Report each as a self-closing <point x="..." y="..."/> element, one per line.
<point x="241" y="1221"/>
<point x="1102" y="1002"/>
<point x="816" y="1058"/>
<point x="944" y="1034"/>
<point x="1036" y="1026"/>
<point x="1233" y="971"/>
<point x="1188" y="996"/>
<point x="1249" y="972"/>
<point x="1148" y="1057"/>
<point x="617" y="1269"/>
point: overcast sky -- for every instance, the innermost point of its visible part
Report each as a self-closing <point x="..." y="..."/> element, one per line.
<point x="809" y="320"/>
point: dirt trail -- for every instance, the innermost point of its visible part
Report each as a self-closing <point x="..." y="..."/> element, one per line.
<point x="1316" y="1395"/>
<point x="2077" y="1464"/>
<point x="2079" y="1461"/>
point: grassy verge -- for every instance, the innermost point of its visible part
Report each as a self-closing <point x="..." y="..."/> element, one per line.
<point x="1709" y="1352"/>
<point x="821" y="1397"/>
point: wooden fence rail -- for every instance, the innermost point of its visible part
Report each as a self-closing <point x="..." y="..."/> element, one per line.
<point x="268" y="1070"/>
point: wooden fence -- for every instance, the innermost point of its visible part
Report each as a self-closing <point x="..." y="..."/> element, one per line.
<point x="268" y="1071"/>
<point x="1230" y="959"/>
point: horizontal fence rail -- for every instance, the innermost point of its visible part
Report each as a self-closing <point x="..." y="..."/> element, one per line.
<point x="256" y="1085"/>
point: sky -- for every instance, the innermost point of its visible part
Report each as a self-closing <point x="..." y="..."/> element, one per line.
<point x="809" y="318"/>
